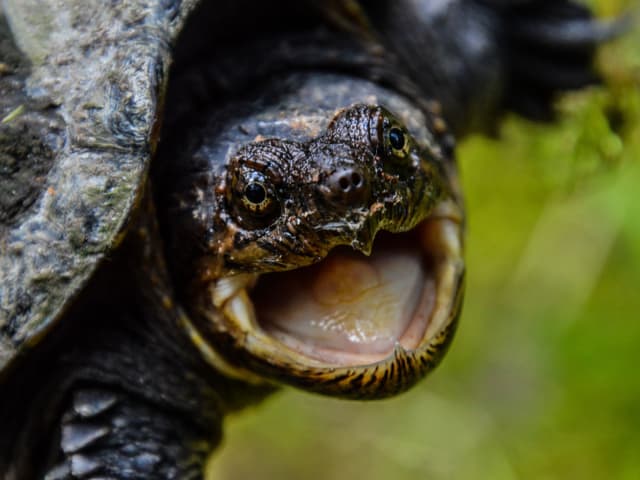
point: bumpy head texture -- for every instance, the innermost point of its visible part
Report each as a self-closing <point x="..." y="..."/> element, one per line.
<point x="284" y="204"/>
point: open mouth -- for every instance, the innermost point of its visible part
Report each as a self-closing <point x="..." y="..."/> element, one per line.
<point x="352" y="310"/>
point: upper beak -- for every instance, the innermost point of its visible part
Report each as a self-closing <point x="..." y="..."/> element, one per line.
<point x="363" y="241"/>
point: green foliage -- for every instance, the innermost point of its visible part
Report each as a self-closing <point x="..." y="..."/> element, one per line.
<point x="541" y="381"/>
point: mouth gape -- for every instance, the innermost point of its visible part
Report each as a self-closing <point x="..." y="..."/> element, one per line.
<point x="352" y="309"/>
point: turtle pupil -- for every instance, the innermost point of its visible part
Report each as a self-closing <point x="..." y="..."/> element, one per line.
<point x="396" y="138"/>
<point x="255" y="193"/>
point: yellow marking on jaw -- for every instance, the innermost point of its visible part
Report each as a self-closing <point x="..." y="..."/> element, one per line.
<point x="214" y="359"/>
<point x="239" y="308"/>
<point x="227" y="287"/>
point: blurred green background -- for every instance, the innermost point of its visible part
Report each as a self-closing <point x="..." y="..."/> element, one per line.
<point x="543" y="379"/>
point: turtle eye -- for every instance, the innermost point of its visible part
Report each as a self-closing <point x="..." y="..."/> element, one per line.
<point x="396" y="147"/>
<point x="254" y="199"/>
<point x="397" y="142"/>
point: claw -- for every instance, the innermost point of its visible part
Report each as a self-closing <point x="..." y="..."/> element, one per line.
<point x="574" y="34"/>
<point x="554" y="75"/>
<point x="551" y="50"/>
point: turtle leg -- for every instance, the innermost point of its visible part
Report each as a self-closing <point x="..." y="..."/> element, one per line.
<point x="108" y="433"/>
<point x="123" y="395"/>
<point x="136" y="400"/>
<point x="548" y="48"/>
<point x="480" y="58"/>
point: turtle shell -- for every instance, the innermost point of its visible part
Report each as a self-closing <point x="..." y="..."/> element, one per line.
<point x="81" y="88"/>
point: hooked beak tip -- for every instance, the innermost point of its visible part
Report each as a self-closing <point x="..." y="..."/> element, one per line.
<point x="364" y="242"/>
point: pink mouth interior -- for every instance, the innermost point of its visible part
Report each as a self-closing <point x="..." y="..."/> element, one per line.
<point x="349" y="307"/>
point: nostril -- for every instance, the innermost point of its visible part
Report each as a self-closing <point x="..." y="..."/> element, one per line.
<point x="356" y="179"/>
<point x="346" y="187"/>
<point x="348" y="181"/>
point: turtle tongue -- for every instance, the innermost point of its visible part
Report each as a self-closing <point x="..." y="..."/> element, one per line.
<point x="348" y="302"/>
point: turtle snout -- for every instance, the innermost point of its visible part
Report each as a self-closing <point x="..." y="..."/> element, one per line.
<point x="347" y="187"/>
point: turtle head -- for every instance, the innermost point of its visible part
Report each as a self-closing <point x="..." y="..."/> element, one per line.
<point x="332" y="263"/>
<point x="287" y="204"/>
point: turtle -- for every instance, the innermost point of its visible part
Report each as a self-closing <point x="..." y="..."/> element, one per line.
<point x="199" y="205"/>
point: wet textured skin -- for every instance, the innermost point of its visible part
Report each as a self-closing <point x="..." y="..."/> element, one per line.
<point x="140" y="370"/>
